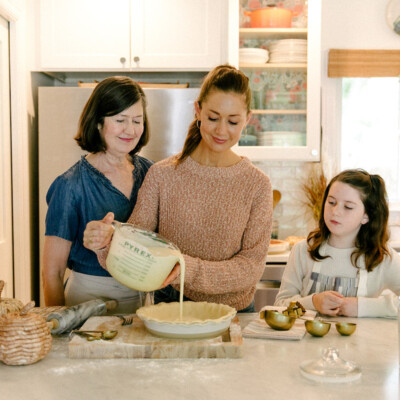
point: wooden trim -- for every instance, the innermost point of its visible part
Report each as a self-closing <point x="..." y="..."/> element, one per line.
<point x="22" y="237"/>
<point x="9" y="11"/>
<point x="363" y="63"/>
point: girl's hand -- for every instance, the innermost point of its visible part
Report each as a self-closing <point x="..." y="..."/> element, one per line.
<point x="349" y="307"/>
<point x="98" y="234"/>
<point x="328" y="302"/>
<point x="172" y="276"/>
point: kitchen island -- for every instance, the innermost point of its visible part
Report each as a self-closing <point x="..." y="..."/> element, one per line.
<point x="269" y="369"/>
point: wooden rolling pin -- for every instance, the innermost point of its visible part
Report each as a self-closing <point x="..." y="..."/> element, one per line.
<point x="72" y="317"/>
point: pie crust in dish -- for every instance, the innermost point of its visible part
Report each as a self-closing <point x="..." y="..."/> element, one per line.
<point x="200" y="319"/>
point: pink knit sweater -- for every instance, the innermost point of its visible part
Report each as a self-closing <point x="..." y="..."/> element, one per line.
<point x="220" y="218"/>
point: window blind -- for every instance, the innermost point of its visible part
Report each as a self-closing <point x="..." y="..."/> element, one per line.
<point x="363" y="63"/>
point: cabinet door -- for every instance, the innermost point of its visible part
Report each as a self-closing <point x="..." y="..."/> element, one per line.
<point x="76" y="34"/>
<point x="177" y="33"/>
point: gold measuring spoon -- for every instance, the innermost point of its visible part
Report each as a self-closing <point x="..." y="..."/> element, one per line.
<point x="96" y="335"/>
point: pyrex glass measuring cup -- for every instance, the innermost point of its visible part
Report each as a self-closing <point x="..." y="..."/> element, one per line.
<point x="140" y="259"/>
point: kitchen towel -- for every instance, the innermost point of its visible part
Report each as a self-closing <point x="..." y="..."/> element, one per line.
<point x="258" y="328"/>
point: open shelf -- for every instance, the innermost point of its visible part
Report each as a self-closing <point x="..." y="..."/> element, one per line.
<point x="273" y="66"/>
<point x="256" y="33"/>
<point x="285" y="85"/>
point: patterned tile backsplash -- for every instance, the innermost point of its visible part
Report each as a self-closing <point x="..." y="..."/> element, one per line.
<point x="278" y="90"/>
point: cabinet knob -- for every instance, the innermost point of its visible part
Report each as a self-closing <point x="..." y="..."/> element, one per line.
<point x="314" y="152"/>
<point x="136" y="59"/>
<point x="123" y="60"/>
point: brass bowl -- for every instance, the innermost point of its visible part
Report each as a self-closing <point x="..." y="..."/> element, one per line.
<point x="346" y="328"/>
<point x="317" y="328"/>
<point x="278" y="321"/>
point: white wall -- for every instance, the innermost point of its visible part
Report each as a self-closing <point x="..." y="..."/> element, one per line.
<point x="356" y="24"/>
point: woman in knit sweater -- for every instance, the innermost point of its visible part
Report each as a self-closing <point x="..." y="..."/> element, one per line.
<point x="213" y="204"/>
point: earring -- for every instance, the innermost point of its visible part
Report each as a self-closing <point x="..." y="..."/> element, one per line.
<point x="198" y="123"/>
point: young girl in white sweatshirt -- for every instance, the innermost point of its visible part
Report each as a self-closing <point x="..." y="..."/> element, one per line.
<point x="344" y="265"/>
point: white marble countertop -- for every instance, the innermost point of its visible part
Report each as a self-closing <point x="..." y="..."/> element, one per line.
<point x="269" y="369"/>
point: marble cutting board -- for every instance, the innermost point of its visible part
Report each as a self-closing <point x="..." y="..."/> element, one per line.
<point x="134" y="341"/>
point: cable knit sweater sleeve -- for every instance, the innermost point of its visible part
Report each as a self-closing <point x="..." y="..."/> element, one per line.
<point x="220" y="218"/>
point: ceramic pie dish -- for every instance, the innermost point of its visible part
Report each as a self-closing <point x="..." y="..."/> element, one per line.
<point x="200" y="319"/>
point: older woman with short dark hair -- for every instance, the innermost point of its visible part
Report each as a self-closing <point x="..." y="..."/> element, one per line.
<point x="113" y="127"/>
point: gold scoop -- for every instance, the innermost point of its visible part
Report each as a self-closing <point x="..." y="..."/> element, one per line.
<point x="96" y="335"/>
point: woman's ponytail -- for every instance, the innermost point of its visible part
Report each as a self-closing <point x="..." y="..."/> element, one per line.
<point x="193" y="139"/>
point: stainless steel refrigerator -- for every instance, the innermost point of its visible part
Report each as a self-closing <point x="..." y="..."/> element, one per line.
<point x="170" y="112"/>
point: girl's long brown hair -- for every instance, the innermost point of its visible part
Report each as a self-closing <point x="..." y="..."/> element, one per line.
<point x="372" y="238"/>
<point x="225" y="78"/>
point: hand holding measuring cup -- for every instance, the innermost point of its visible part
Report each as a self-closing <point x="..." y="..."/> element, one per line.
<point x="98" y="234"/>
<point x="139" y="259"/>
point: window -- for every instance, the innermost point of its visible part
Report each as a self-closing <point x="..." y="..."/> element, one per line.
<point x="371" y="129"/>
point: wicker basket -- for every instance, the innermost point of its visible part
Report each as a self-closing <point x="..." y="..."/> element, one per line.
<point x="25" y="337"/>
<point x="8" y="305"/>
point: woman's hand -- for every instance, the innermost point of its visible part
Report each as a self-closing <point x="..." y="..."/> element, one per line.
<point x="98" y="234"/>
<point x="349" y="307"/>
<point x="328" y="302"/>
<point x="172" y="276"/>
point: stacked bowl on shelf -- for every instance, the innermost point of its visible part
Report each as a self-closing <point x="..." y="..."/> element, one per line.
<point x="253" y="55"/>
<point x="288" y="51"/>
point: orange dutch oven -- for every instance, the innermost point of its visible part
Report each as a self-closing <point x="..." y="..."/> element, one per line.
<point x="270" y="17"/>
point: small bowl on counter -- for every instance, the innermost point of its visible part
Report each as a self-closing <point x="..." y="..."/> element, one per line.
<point x="346" y="328"/>
<point x="277" y="320"/>
<point x="317" y="327"/>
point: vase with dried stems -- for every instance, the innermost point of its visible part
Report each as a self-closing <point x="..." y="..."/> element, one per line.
<point x="313" y="187"/>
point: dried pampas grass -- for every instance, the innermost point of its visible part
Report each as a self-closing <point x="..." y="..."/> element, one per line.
<point x="313" y="187"/>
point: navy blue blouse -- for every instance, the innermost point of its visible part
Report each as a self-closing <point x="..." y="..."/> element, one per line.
<point x="84" y="194"/>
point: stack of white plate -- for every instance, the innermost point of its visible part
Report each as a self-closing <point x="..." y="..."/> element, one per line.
<point x="281" y="138"/>
<point x="252" y="55"/>
<point x="288" y="51"/>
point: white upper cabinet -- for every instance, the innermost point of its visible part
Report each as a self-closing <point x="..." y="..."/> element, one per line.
<point x="84" y="34"/>
<point x="176" y="33"/>
<point x="132" y="34"/>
